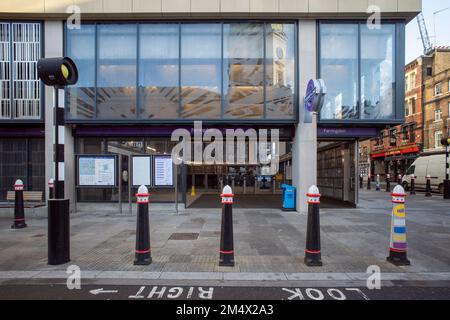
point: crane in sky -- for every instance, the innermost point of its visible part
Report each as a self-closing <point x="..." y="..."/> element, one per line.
<point x="427" y="46"/>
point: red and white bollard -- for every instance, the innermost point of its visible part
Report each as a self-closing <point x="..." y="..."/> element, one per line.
<point x="51" y="189"/>
<point x="226" y="236"/>
<point x="19" y="208"/>
<point x="313" y="255"/>
<point x="143" y="248"/>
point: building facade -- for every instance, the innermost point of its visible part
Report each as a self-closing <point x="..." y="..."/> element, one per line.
<point x="148" y="68"/>
<point x="426" y="116"/>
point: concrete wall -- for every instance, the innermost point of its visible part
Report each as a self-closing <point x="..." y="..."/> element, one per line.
<point x="300" y="8"/>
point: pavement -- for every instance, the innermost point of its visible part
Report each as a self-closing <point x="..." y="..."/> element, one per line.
<point x="269" y="246"/>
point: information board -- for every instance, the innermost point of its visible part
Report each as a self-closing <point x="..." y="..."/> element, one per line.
<point x="142" y="171"/>
<point x="97" y="171"/>
<point x="163" y="171"/>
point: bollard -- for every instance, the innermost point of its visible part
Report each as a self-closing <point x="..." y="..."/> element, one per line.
<point x="313" y="256"/>
<point x="412" y="188"/>
<point x="226" y="235"/>
<point x="51" y="188"/>
<point x="244" y="185"/>
<point x="378" y="183"/>
<point x="193" y="193"/>
<point x="428" y="187"/>
<point x="19" y="209"/>
<point x="399" y="179"/>
<point x="361" y="181"/>
<point x="369" y="186"/>
<point x="398" y="245"/>
<point x="143" y="250"/>
<point x="388" y="183"/>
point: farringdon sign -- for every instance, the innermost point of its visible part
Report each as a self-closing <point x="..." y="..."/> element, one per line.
<point x="314" y="98"/>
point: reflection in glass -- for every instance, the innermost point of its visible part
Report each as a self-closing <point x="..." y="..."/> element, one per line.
<point x="243" y="74"/>
<point x="201" y="52"/>
<point x="158" y="70"/>
<point x="280" y="70"/>
<point x="377" y="72"/>
<point x="339" y="69"/>
<point x="81" y="48"/>
<point x="116" y="92"/>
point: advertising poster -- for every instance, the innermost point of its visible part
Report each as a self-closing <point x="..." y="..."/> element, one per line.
<point x="141" y="171"/>
<point x="163" y="171"/>
<point x="97" y="171"/>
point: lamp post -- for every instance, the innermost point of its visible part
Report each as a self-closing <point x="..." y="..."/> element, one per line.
<point x="58" y="73"/>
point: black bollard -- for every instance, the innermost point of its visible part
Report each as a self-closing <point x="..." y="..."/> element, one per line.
<point x="388" y="183"/>
<point x="428" y="188"/>
<point x="19" y="209"/>
<point x="369" y="185"/>
<point x="51" y="188"/>
<point x="226" y="236"/>
<point x="361" y="181"/>
<point x="378" y="183"/>
<point x="412" y="188"/>
<point x="399" y="179"/>
<point x="58" y="232"/>
<point x="313" y="256"/>
<point x="143" y="249"/>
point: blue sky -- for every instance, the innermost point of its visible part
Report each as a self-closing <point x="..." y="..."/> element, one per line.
<point x="414" y="47"/>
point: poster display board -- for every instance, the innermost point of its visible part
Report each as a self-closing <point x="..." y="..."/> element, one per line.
<point x="96" y="171"/>
<point x="163" y="171"/>
<point x="142" y="171"/>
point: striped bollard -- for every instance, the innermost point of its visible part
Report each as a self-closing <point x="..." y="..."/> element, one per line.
<point x="226" y="235"/>
<point x="313" y="256"/>
<point x="19" y="209"/>
<point x="398" y="244"/>
<point x="143" y="250"/>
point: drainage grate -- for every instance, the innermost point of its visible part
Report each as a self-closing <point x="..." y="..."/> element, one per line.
<point x="183" y="236"/>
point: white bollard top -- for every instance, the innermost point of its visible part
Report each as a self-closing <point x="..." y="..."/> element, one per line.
<point x="227" y="195"/>
<point x="18" y="186"/>
<point x="388" y="176"/>
<point x="51" y="183"/>
<point x="398" y="195"/>
<point x="313" y="195"/>
<point x="428" y="176"/>
<point x="413" y="176"/>
<point x="142" y="195"/>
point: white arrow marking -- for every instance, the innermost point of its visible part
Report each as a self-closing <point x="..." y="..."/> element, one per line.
<point x="99" y="291"/>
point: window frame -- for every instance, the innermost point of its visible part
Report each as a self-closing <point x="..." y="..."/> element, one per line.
<point x="436" y="86"/>
<point x="41" y="85"/>
<point x="437" y="141"/>
<point x="399" y="73"/>
<point x="222" y="120"/>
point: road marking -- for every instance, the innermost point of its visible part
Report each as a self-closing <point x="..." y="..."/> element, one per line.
<point x="101" y="290"/>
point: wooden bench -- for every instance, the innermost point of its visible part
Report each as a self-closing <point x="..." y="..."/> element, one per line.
<point x="31" y="199"/>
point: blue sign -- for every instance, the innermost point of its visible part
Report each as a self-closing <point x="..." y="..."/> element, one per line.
<point x="314" y="98"/>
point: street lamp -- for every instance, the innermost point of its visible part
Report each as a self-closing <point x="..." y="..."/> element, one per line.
<point x="446" y="142"/>
<point x="58" y="73"/>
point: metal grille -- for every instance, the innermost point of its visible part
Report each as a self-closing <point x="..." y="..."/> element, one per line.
<point x="26" y="85"/>
<point x="5" y="79"/>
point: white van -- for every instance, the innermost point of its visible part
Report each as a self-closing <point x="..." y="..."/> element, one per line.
<point x="434" y="166"/>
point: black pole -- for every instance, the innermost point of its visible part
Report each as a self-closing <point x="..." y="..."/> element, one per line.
<point x="412" y="190"/>
<point x="226" y="235"/>
<point x="388" y="183"/>
<point x="313" y="256"/>
<point x="19" y="209"/>
<point x="447" y="174"/>
<point x="428" y="188"/>
<point x="58" y="232"/>
<point x="143" y="249"/>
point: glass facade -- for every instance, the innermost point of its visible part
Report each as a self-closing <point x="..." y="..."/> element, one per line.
<point x="183" y="71"/>
<point x="359" y="68"/>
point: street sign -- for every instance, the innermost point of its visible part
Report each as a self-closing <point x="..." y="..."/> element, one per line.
<point x="314" y="98"/>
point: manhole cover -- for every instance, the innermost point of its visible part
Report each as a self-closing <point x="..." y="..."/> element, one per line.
<point x="184" y="236"/>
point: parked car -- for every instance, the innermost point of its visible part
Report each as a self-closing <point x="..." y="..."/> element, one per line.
<point x="427" y="165"/>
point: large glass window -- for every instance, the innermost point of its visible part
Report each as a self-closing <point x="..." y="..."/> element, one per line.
<point x="243" y="70"/>
<point x="201" y="58"/>
<point x="377" y="72"/>
<point x="358" y="66"/>
<point x="183" y="71"/>
<point x="81" y="97"/>
<point x="159" y="70"/>
<point x="339" y="69"/>
<point x="280" y="70"/>
<point x="117" y="64"/>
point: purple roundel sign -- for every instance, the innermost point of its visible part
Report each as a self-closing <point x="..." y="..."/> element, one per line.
<point x="311" y="93"/>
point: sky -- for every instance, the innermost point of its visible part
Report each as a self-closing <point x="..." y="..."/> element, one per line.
<point x="440" y="22"/>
